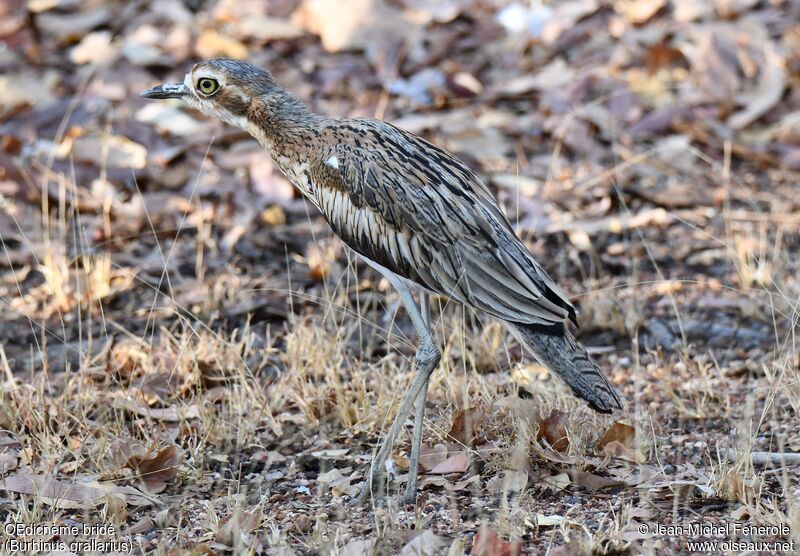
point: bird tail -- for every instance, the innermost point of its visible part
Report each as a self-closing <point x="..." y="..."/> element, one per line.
<point x="557" y="349"/>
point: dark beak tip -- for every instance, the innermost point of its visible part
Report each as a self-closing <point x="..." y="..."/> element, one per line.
<point x="165" y="91"/>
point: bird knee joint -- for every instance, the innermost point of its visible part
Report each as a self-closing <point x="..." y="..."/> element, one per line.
<point x="428" y="356"/>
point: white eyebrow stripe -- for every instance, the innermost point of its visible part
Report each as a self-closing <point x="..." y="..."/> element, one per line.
<point x="333" y="162"/>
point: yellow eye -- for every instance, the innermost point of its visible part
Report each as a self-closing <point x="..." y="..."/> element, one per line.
<point x="207" y="86"/>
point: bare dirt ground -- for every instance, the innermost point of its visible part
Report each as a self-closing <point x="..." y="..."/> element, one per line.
<point x="190" y="362"/>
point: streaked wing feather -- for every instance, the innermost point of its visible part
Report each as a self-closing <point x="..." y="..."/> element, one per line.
<point x="439" y="224"/>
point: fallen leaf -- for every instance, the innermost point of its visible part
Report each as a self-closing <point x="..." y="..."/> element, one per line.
<point x="441" y="11"/>
<point x="737" y="488"/>
<point x="95" y="48"/>
<point x="67" y="27"/>
<point x="424" y="544"/>
<point x="554" y="430"/>
<point x="116" y="508"/>
<point x="445" y="483"/>
<point x="590" y="481"/>
<point x="732" y="8"/>
<point x="741" y="513"/>
<point x="143" y="47"/>
<point x="154" y="468"/>
<point x="168" y="118"/>
<point x="51" y="491"/>
<point x="572" y="548"/>
<point x="457" y="463"/>
<point x="24" y="90"/>
<point x="508" y="481"/>
<point x="555" y="482"/>
<point x="113" y="151"/>
<point x="618" y="432"/>
<point x="640" y="513"/>
<point x="489" y="543"/>
<point x="565" y="16"/>
<point x="671" y="192"/>
<point x="333" y="453"/>
<point x="359" y="547"/>
<point x="354" y="24"/>
<point x="541" y="520"/>
<point x="234" y="530"/>
<point x="429" y="457"/>
<point x="172" y="414"/>
<point x="691" y="10"/>
<point x="142" y="526"/>
<point x="772" y="83"/>
<point x="267" y="29"/>
<point x="212" y="44"/>
<point x="8" y="460"/>
<point x="639" y="11"/>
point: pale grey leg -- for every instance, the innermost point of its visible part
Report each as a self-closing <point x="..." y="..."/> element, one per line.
<point x="427" y="359"/>
<point x="410" y="496"/>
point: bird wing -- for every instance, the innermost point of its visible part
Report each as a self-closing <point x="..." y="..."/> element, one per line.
<point x="416" y="210"/>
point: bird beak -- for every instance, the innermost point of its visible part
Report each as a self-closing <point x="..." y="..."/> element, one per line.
<point x="166" y="90"/>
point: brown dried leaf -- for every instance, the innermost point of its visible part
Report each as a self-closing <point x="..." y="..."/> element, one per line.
<point x="431" y="457"/>
<point x="590" y="481"/>
<point x="639" y="11"/>
<point x="142" y="526"/>
<point x="212" y="44"/>
<point x="738" y="489"/>
<point x="265" y="29"/>
<point x="95" y="48"/>
<point x="618" y="432"/>
<point x="489" y="543"/>
<point x="772" y="82"/>
<point x="352" y="24"/>
<point x="22" y="90"/>
<point x="508" y="481"/>
<point x="465" y="428"/>
<point x="116" y="508"/>
<point x="61" y="494"/>
<point x="732" y="8"/>
<point x="234" y="529"/>
<point x="541" y="520"/>
<point x="67" y="27"/>
<point x="572" y="548"/>
<point x="113" y="151"/>
<point x="556" y="483"/>
<point x="172" y="414"/>
<point x="359" y="547"/>
<point x="424" y="544"/>
<point x="566" y="15"/>
<point x="457" y="463"/>
<point x="8" y="460"/>
<point x="554" y="430"/>
<point x="154" y="468"/>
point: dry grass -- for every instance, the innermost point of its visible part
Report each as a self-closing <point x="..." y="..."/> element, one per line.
<point x="251" y="433"/>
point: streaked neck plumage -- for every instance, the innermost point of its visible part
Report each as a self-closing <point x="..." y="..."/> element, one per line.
<point x="283" y="125"/>
<point x="288" y="130"/>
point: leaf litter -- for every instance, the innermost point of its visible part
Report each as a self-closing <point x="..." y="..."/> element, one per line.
<point x="166" y="286"/>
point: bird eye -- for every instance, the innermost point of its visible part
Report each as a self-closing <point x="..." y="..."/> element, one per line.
<point x="207" y="86"/>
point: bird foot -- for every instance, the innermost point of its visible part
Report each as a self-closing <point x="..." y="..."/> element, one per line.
<point x="410" y="497"/>
<point x="377" y="485"/>
<point x="373" y="486"/>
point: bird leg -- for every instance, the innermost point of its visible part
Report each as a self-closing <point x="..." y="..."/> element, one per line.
<point x="426" y="359"/>
<point x="410" y="496"/>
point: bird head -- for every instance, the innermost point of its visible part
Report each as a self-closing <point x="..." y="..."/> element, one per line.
<point x="223" y="88"/>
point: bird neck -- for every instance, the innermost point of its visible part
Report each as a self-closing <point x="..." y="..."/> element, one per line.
<point x="283" y="125"/>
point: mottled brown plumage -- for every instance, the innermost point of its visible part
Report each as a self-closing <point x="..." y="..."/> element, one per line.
<point x="413" y="211"/>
